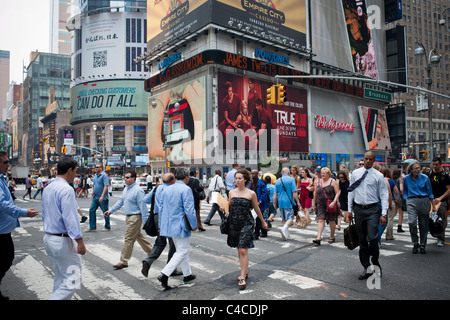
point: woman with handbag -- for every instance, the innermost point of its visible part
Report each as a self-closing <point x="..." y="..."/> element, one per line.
<point x="241" y="222"/>
<point x="325" y="205"/>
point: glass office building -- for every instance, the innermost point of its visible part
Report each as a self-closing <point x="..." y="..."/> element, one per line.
<point x="44" y="71"/>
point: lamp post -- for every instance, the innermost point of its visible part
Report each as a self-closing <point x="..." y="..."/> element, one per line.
<point x="166" y="128"/>
<point x="443" y="21"/>
<point x="97" y="125"/>
<point x="431" y="60"/>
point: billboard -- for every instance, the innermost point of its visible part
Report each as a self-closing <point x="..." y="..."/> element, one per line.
<point x="120" y="99"/>
<point x="243" y="110"/>
<point x="186" y="122"/>
<point x="283" y="19"/>
<point x="374" y="129"/>
<point x="350" y="34"/>
<point x="107" y="44"/>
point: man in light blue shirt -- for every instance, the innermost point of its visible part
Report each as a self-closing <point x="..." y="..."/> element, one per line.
<point x="418" y="192"/>
<point x="284" y="197"/>
<point x="9" y="220"/>
<point x="161" y="241"/>
<point x="100" y="198"/>
<point x="63" y="240"/>
<point x="229" y="179"/>
<point x="176" y="220"/>
<point x="133" y="201"/>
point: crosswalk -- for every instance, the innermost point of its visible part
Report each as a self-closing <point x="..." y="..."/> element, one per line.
<point x="215" y="264"/>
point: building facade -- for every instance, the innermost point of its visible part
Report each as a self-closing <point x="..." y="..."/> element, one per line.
<point x="213" y="62"/>
<point x="4" y="81"/>
<point x="108" y="101"/>
<point x="44" y="71"/>
<point x="422" y="22"/>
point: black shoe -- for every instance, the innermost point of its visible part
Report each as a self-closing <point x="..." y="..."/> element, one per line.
<point x="164" y="281"/>
<point x="317" y="242"/>
<point x="422" y="250"/>
<point x="415" y="249"/>
<point x="365" y="275"/>
<point x="189" y="278"/>
<point x="83" y="219"/>
<point x="399" y="229"/>
<point x="145" y="268"/>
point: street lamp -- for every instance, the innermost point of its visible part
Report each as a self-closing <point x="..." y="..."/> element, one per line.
<point x="432" y="60"/>
<point x="103" y="133"/>
<point x="166" y="127"/>
<point x="443" y="21"/>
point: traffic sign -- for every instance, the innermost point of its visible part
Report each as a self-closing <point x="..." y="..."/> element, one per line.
<point x="377" y="95"/>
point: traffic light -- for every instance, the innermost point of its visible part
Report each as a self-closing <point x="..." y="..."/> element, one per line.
<point x="271" y="99"/>
<point x="281" y="94"/>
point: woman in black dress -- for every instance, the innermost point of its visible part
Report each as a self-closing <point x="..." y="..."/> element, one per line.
<point x="241" y="201"/>
<point x="344" y="183"/>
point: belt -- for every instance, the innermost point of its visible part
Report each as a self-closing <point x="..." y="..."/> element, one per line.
<point x="418" y="197"/>
<point x="59" y="234"/>
<point x="365" y="206"/>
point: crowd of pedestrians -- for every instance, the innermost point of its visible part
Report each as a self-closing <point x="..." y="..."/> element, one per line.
<point x="370" y="195"/>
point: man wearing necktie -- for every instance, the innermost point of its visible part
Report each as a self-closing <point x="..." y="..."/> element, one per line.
<point x="367" y="189"/>
<point x="9" y="220"/>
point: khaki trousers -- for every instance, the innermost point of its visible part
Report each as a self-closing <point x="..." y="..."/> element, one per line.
<point x="133" y="233"/>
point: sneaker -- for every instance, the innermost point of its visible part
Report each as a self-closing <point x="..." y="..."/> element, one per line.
<point x="283" y="233"/>
<point x="440" y="243"/>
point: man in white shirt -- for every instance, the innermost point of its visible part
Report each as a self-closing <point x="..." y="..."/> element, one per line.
<point x="63" y="240"/>
<point x="216" y="185"/>
<point x="367" y="189"/>
<point x="39" y="186"/>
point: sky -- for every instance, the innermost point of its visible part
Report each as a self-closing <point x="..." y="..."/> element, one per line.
<point x="24" y="27"/>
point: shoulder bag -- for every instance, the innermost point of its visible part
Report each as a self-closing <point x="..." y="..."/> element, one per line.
<point x="150" y="225"/>
<point x="351" y="239"/>
<point x="329" y="201"/>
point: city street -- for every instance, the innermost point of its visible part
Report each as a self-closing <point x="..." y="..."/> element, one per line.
<point x="279" y="270"/>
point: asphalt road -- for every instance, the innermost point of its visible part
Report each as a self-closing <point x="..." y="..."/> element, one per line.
<point x="279" y="270"/>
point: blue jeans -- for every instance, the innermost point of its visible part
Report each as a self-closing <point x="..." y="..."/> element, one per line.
<point x="93" y="212"/>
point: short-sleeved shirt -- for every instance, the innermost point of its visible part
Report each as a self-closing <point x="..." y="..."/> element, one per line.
<point x="439" y="183"/>
<point x="100" y="181"/>
<point x="285" y="198"/>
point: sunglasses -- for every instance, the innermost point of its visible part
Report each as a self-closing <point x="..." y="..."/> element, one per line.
<point x="5" y="162"/>
<point x="128" y="177"/>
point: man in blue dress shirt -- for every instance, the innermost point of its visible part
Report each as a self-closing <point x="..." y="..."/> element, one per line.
<point x="9" y="215"/>
<point x="63" y="240"/>
<point x="100" y="198"/>
<point x="418" y="192"/>
<point x="132" y="200"/>
<point x="175" y="217"/>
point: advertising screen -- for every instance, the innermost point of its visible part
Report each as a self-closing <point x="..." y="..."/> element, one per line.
<point x="243" y="109"/>
<point x="284" y="19"/>
<point x="109" y="100"/>
<point x="186" y="123"/>
<point x="374" y="128"/>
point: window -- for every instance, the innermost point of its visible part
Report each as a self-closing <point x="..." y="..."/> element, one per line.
<point x="140" y="136"/>
<point x="119" y="136"/>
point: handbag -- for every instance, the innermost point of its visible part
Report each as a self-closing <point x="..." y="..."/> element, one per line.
<point x="150" y="225"/>
<point x="294" y="206"/>
<point x="329" y="201"/>
<point x="224" y="225"/>
<point x="351" y="239"/>
<point x="186" y="221"/>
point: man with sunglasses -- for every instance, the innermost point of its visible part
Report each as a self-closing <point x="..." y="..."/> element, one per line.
<point x="100" y="198"/>
<point x="132" y="200"/>
<point x="9" y="220"/>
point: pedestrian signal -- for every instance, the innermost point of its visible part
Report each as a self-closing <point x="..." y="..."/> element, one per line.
<point x="281" y="94"/>
<point x="271" y="99"/>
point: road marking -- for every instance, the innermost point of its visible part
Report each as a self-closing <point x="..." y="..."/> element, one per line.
<point x="296" y="279"/>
